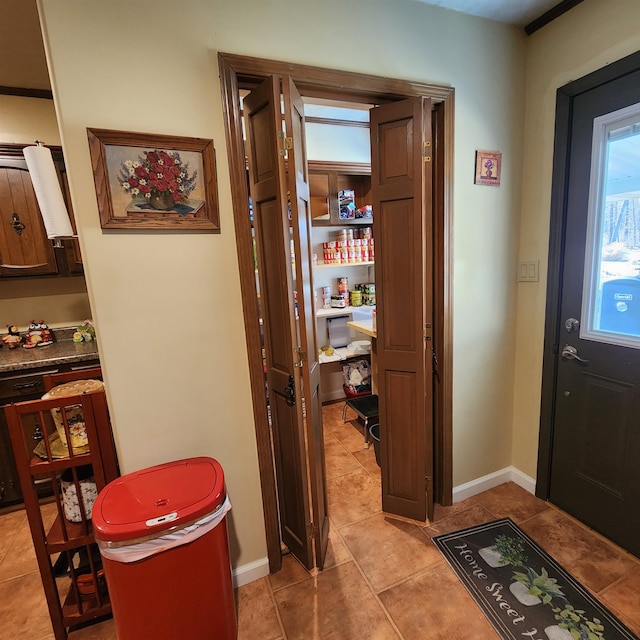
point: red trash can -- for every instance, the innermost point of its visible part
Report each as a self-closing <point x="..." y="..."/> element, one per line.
<point x="162" y="534"/>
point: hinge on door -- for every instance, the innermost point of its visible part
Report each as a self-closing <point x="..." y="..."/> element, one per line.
<point x="287" y="143"/>
<point x="426" y="152"/>
<point x="312" y="530"/>
<point x="427" y="331"/>
<point x="282" y="151"/>
<point x="302" y="356"/>
<point x="427" y="480"/>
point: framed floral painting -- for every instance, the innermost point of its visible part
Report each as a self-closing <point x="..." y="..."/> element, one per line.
<point x="146" y="181"/>
<point x="488" y="168"/>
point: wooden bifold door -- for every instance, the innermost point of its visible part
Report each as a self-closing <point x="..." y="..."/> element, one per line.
<point x="411" y="149"/>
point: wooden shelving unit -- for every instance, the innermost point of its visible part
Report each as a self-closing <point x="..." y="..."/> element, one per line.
<point x="31" y="425"/>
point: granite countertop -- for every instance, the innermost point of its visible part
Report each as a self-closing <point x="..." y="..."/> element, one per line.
<point x="62" y="351"/>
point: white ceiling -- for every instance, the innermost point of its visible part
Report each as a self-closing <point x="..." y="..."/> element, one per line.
<point x="517" y="12"/>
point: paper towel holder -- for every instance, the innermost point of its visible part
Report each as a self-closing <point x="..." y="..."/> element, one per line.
<point x="46" y="185"/>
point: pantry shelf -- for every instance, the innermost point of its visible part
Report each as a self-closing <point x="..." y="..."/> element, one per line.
<point x="338" y="311"/>
<point x="322" y="265"/>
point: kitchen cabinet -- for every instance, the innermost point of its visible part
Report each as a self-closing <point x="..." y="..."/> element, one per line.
<point x="25" y="249"/>
<point x="19" y="386"/>
<point x="77" y="472"/>
<point x="326" y="180"/>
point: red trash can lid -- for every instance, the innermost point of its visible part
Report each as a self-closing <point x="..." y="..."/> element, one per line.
<point x="156" y="499"/>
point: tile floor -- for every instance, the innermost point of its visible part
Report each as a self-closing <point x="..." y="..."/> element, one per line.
<point x="383" y="578"/>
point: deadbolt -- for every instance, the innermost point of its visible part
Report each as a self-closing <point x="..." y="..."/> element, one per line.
<point x="571" y="325"/>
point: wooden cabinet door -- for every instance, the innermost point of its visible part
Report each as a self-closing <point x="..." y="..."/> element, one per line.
<point x="327" y="179"/>
<point x="401" y="185"/>
<point x="278" y="208"/>
<point x="24" y="247"/>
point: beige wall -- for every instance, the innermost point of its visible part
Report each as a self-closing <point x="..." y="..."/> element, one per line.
<point x="590" y="36"/>
<point x="61" y="302"/>
<point x="168" y="305"/>
<point x="23" y="120"/>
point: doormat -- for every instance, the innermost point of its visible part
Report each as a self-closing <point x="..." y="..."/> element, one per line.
<point x="524" y="592"/>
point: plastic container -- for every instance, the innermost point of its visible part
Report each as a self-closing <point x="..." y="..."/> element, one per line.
<point x="162" y="535"/>
<point x="73" y="413"/>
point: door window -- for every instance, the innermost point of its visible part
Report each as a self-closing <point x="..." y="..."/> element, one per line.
<point x="611" y="300"/>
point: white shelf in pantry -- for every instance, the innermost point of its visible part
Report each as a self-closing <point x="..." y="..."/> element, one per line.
<point x="322" y="265"/>
<point x="342" y="353"/>
<point x="338" y="311"/>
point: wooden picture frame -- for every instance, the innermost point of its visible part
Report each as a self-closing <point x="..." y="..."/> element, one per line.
<point x="488" y="168"/>
<point x="148" y="181"/>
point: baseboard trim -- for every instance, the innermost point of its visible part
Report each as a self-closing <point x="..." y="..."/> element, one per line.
<point x="249" y="572"/>
<point x="508" y="474"/>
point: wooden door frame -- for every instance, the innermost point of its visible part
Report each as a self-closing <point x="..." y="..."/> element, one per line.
<point x="559" y="194"/>
<point x="238" y="72"/>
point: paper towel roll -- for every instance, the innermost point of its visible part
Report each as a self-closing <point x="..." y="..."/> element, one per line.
<point x="48" y="192"/>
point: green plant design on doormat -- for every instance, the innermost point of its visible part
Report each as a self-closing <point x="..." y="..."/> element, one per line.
<point x="540" y="584"/>
<point x="511" y="551"/>
<point x="577" y="624"/>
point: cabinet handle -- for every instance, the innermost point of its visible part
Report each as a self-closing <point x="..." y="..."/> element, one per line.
<point x="26" y="385"/>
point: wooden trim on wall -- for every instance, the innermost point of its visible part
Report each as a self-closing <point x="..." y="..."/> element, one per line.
<point x="14" y="150"/>
<point x="242" y="72"/>
<point x="336" y="85"/>
<point x="549" y="16"/>
<point x="26" y="93"/>
<point x="554" y="285"/>
<point x="335" y="122"/>
<point x="443" y="131"/>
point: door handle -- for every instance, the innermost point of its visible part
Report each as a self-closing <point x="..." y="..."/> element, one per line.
<point x="571" y="353"/>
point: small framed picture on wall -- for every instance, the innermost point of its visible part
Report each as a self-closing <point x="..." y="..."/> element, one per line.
<point x="488" y="168"/>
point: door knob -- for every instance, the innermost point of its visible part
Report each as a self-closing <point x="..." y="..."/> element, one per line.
<point x="571" y="353"/>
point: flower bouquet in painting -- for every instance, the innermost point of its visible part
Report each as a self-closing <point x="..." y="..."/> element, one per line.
<point x="159" y="182"/>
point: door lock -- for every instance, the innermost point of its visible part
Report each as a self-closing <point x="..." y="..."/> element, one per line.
<point x="571" y="324"/>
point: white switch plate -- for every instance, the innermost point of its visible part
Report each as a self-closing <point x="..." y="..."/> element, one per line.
<point x="528" y="271"/>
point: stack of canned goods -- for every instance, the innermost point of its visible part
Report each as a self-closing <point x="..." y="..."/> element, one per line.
<point x="343" y="291"/>
<point x="367" y="294"/>
<point x="352" y="246"/>
<point x="361" y="294"/>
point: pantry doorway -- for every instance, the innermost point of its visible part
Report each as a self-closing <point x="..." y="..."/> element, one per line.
<point x="241" y="73"/>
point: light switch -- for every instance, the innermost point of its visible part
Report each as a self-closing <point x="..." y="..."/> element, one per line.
<point x="528" y="271"/>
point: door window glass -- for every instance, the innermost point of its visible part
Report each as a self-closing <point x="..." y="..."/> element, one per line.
<point x="611" y="300"/>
